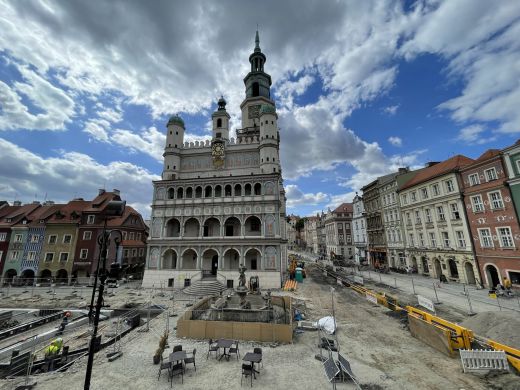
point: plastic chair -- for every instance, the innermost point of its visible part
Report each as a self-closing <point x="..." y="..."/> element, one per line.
<point x="177" y="348"/>
<point x="177" y="369"/>
<point x="234" y="349"/>
<point x="191" y="359"/>
<point x="259" y="351"/>
<point x="247" y="369"/>
<point x="212" y="347"/>
<point x="164" y="366"/>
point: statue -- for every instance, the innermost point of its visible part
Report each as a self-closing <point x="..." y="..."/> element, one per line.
<point x="242" y="277"/>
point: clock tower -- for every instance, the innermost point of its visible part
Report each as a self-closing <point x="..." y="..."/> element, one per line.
<point x="220" y="119"/>
<point x="258" y="88"/>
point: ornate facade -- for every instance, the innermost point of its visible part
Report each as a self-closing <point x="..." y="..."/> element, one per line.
<point x="221" y="203"/>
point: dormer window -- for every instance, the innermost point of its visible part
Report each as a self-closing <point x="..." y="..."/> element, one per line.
<point x="24" y="222"/>
<point x="91" y="219"/>
<point x="8" y="220"/>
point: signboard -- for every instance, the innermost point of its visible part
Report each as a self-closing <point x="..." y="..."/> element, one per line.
<point x="425" y="302"/>
<point x="359" y="280"/>
<point x="371" y="298"/>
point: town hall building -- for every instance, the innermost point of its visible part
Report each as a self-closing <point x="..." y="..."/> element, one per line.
<point x="221" y="203"/>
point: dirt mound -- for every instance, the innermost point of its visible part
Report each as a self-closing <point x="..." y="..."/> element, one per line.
<point x="499" y="326"/>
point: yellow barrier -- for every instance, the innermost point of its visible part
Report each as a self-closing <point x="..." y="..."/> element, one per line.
<point x="513" y="354"/>
<point x="460" y="337"/>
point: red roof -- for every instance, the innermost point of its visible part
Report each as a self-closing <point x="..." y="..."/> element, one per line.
<point x="442" y="168"/>
<point x="100" y="201"/>
<point x="488" y="154"/>
<point x="129" y="210"/>
<point x="344" y="208"/>
<point x="66" y="214"/>
<point x="17" y="213"/>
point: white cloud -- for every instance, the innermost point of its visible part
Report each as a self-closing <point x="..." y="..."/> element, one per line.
<point x="396" y="141"/>
<point x="150" y="141"/>
<point x="295" y="197"/>
<point x="53" y="108"/>
<point x="391" y="110"/>
<point x="480" y="41"/>
<point x="97" y="129"/>
<point x="69" y="175"/>
<point x="473" y="135"/>
<point x="336" y="200"/>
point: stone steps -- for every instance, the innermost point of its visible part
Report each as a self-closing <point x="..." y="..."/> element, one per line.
<point x="205" y="287"/>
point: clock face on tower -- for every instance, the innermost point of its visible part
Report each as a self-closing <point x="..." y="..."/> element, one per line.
<point x="217" y="149"/>
<point x="217" y="152"/>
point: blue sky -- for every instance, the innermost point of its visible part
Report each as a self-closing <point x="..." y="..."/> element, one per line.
<point x="361" y="88"/>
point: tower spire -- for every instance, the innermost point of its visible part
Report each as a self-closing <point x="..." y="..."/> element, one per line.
<point x="257" y="41"/>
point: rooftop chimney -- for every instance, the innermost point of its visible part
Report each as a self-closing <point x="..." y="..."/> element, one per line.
<point x="48" y="203"/>
<point x="17" y="203"/>
<point x="101" y="191"/>
<point x="116" y="191"/>
<point x="35" y="202"/>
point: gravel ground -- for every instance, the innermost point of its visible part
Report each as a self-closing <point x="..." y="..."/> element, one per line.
<point x="382" y="353"/>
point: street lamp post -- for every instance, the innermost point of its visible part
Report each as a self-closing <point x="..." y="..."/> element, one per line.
<point x="114" y="208"/>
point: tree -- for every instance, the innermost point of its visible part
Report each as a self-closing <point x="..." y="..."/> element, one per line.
<point x="300" y="224"/>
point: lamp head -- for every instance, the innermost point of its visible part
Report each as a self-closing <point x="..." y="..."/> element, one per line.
<point x="115" y="208"/>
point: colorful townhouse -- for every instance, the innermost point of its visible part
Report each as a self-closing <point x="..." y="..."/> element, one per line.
<point x="438" y="239"/>
<point x="18" y="221"/>
<point x="59" y="246"/>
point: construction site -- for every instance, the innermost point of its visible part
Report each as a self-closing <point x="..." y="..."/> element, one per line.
<point x="381" y="337"/>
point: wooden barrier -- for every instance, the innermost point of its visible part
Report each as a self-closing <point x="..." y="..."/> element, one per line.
<point x="433" y="335"/>
<point x="249" y="331"/>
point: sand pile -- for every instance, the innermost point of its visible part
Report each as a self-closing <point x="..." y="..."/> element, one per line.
<point x="501" y="326"/>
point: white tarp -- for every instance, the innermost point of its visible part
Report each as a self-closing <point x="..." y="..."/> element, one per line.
<point x="327" y="324"/>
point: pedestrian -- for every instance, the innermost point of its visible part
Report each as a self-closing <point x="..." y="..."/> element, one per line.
<point x="507" y="285"/>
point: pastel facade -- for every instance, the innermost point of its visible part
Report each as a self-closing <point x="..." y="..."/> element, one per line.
<point x="338" y="231"/>
<point x="492" y="218"/>
<point x="359" y="233"/>
<point x="438" y="239"/>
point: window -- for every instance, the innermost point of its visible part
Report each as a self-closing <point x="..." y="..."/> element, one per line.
<point x="18" y="238"/>
<point x="14" y="255"/>
<point x="428" y="215"/>
<point x="404" y="199"/>
<point x="505" y="237"/>
<point x="138" y="236"/>
<point x="495" y="200"/>
<point x="424" y="193"/>
<point x="435" y="189"/>
<point x="473" y="179"/>
<point x="411" y="239"/>
<point x="64" y="256"/>
<point x="491" y="174"/>
<point x="91" y="219"/>
<point x="124" y="235"/>
<point x="440" y="214"/>
<point x="421" y="240"/>
<point x="141" y="251"/>
<point x="417" y="216"/>
<point x="486" y="241"/>
<point x="449" y="186"/>
<point x="53" y="238"/>
<point x="126" y="253"/>
<point x="454" y="211"/>
<point x="35" y="238"/>
<point x="83" y="254"/>
<point x="132" y="235"/>
<point x="445" y="239"/>
<point x="87" y="235"/>
<point x="408" y="219"/>
<point x="3" y="236"/>
<point x="31" y="256"/>
<point x="476" y="202"/>
<point x="413" y="196"/>
<point x="67" y="238"/>
<point x="433" y="240"/>
<point x="49" y="257"/>
<point x="461" y="243"/>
